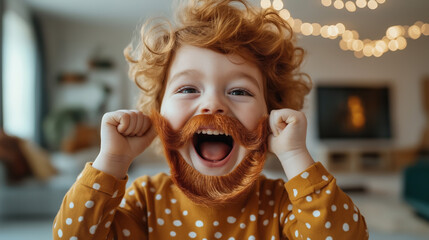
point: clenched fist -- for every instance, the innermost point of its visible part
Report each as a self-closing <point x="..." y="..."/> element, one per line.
<point x="124" y="135"/>
<point x="288" y="140"/>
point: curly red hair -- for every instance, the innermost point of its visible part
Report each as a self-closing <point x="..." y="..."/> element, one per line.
<point x="258" y="35"/>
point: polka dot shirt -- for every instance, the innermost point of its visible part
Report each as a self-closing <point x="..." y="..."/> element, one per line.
<point x="309" y="206"/>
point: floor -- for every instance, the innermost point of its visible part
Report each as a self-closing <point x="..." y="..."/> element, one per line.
<point x="390" y="218"/>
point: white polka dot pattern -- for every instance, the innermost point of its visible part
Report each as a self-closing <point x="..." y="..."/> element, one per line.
<point x="302" y="210"/>
<point x="346" y="227"/>
<point x="89" y="204"/>
<point x="305" y="175"/>
<point x="177" y="223"/>
<point x="316" y="213"/>
<point x="92" y="229"/>
<point x="126" y="232"/>
<point x="218" y="235"/>
<point x="96" y="186"/>
<point x="231" y="219"/>
<point x="199" y="223"/>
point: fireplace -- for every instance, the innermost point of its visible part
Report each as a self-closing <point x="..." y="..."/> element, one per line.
<point x="353" y="112"/>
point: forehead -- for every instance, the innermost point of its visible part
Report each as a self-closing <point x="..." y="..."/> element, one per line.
<point x="196" y="60"/>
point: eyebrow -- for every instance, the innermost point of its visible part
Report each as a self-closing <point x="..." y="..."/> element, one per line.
<point x="235" y="74"/>
<point x="240" y="74"/>
<point x="184" y="73"/>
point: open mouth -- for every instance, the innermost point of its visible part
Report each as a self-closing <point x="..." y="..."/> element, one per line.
<point x="212" y="145"/>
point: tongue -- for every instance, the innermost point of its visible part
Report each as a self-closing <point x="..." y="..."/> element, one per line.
<point x="214" y="151"/>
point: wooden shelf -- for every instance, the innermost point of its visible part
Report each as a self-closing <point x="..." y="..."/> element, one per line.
<point x="359" y="160"/>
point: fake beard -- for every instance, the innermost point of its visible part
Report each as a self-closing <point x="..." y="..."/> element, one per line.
<point x="213" y="190"/>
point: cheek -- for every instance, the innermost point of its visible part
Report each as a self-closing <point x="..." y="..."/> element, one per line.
<point x="259" y="111"/>
<point x="174" y="113"/>
<point x="250" y="119"/>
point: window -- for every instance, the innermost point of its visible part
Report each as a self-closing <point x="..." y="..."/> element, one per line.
<point x="19" y="76"/>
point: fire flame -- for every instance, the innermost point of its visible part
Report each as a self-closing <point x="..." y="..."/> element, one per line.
<point x="356" y="111"/>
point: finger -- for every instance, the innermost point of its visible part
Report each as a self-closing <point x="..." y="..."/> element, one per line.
<point x="139" y="123"/>
<point x="272" y="124"/>
<point x="132" y="123"/>
<point x="146" y="126"/>
<point x="277" y="122"/>
<point x="120" y="120"/>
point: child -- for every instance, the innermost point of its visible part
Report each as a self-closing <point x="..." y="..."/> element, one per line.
<point x="220" y="90"/>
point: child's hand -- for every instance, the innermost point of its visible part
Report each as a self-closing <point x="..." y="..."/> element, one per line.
<point x="124" y="135"/>
<point x="287" y="141"/>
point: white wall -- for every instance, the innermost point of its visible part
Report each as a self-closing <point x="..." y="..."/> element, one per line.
<point x="70" y="44"/>
<point x="403" y="70"/>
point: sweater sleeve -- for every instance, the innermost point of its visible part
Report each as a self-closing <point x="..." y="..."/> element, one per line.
<point x="97" y="207"/>
<point x="318" y="209"/>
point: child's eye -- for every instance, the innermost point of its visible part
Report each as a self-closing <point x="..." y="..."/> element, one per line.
<point x="240" y="92"/>
<point x="187" y="90"/>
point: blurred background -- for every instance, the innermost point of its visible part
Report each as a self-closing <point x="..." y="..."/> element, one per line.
<point x="62" y="67"/>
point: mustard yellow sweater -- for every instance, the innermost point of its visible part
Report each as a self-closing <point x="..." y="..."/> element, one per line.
<point x="308" y="206"/>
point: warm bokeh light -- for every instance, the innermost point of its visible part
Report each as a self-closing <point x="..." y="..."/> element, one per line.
<point x="324" y="31"/>
<point x="355" y="34"/>
<point x="338" y="4"/>
<point x="326" y="3"/>
<point x="265" y="4"/>
<point x="414" y="32"/>
<point x="284" y="13"/>
<point x="306" y="29"/>
<point x="297" y="25"/>
<point x="361" y="3"/>
<point x="277" y="4"/>
<point x="348" y="35"/>
<point x="425" y="29"/>
<point x="341" y="28"/>
<point x="357" y="45"/>
<point x="351" y="6"/>
<point x="402" y="43"/>
<point x="359" y="54"/>
<point x="393" y="45"/>
<point x="393" y="32"/>
<point x="395" y="37"/>
<point x="372" y="4"/>
<point x="376" y="52"/>
<point x="381" y="46"/>
<point x="343" y="45"/>
<point x="367" y="50"/>
<point x="316" y="29"/>
<point x="332" y="31"/>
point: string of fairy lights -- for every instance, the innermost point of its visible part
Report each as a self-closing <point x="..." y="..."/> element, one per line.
<point x="395" y="37"/>
<point x="352" y="6"/>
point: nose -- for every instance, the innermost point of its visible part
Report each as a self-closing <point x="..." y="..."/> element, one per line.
<point x="213" y="104"/>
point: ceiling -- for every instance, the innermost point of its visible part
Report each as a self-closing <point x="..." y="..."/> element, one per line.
<point x="369" y="23"/>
